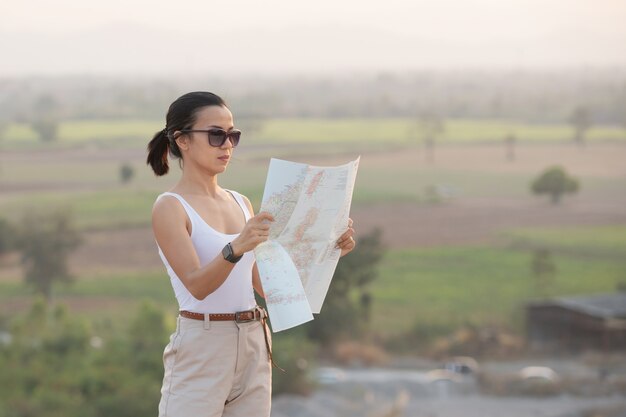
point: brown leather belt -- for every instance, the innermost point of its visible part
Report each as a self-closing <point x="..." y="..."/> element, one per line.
<point x="239" y="317"/>
<point x="257" y="313"/>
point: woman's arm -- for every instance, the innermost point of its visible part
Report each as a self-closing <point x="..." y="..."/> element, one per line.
<point x="256" y="281"/>
<point x="256" y="278"/>
<point x="171" y="230"/>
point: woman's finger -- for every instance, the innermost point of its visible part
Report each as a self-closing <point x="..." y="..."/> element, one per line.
<point x="346" y="243"/>
<point x="349" y="233"/>
<point x="264" y="216"/>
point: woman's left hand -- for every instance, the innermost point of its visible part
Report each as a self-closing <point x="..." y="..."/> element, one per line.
<point x="346" y="241"/>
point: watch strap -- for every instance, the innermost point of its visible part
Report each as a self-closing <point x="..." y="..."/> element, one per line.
<point x="229" y="255"/>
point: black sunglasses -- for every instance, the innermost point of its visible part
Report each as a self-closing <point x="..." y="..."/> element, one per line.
<point x="217" y="137"/>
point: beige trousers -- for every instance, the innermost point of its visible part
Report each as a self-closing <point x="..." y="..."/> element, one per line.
<point x="218" y="368"/>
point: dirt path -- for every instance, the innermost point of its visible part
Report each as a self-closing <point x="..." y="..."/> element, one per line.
<point x="477" y="221"/>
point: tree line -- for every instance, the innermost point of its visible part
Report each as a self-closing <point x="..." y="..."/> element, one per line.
<point x="534" y="97"/>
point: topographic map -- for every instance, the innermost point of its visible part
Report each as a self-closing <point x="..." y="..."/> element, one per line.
<point x="310" y="205"/>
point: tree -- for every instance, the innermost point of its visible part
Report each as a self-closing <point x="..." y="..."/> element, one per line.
<point x="7" y="237"/>
<point x="431" y="126"/>
<point x="127" y="172"/>
<point x="295" y="354"/>
<point x="45" y="123"/>
<point x="555" y="182"/>
<point x="251" y="125"/>
<point x="46" y="128"/>
<point x="348" y="302"/>
<point x="581" y="121"/>
<point x="45" y="240"/>
<point x="543" y="269"/>
<point x="148" y="336"/>
<point x="51" y="367"/>
<point x="509" y="142"/>
<point x="623" y="116"/>
<point x="3" y="127"/>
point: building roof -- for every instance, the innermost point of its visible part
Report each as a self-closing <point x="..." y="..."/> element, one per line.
<point x="607" y="305"/>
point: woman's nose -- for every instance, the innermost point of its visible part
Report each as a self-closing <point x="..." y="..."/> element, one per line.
<point x="228" y="143"/>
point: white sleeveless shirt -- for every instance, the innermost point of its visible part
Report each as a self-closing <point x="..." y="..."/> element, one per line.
<point x="236" y="293"/>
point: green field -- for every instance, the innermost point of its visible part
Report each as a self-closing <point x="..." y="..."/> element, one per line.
<point x="129" y="287"/>
<point x="111" y="206"/>
<point x="445" y="287"/>
<point x="90" y="186"/>
<point x="609" y="241"/>
<point x="362" y="133"/>
<point x="94" y="210"/>
<point x="489" y="285"/>
<point x="442" y="286"/>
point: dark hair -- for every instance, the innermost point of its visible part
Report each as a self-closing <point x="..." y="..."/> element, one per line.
<point x="181" y="115"/>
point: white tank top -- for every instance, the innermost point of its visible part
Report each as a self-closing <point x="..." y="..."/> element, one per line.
<point x="236" y="293"/>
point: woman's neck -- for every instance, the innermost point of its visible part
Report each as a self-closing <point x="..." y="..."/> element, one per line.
<point x="194" y="182"/>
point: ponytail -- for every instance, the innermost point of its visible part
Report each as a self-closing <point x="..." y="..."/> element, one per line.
<point x="158" y="148"/>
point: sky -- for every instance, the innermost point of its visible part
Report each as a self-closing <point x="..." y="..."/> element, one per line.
<point x="290" y="36"/>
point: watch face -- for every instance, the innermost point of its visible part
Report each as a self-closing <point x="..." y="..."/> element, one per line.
<point x="228" y="254"/>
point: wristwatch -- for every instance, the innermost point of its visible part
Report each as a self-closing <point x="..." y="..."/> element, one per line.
<point x="228" y="254"/>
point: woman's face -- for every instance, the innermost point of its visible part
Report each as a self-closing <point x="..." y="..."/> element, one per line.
<point x="195" y="145"/>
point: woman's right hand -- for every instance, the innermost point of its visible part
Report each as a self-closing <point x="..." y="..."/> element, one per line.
<point x="256" y="231"/>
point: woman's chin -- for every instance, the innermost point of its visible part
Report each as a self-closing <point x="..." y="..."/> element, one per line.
<point x="217" y="169"/>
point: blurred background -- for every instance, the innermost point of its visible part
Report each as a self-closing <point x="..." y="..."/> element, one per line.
<point x="490" y="204"/>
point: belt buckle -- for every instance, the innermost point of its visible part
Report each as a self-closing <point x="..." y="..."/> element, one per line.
<point x="238" y="318"/>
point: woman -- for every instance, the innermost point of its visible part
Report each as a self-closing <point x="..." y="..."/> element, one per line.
<point x="218" y="360"/>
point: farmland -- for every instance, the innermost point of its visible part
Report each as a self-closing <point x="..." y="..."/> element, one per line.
<point x="460" y="229"/>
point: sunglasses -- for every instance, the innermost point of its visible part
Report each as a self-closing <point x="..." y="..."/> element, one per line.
<point x="217" y="137"/>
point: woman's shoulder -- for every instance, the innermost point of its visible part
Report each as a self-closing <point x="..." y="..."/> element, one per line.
<point x="242" y="197"/>
<point x="167" y="205"/>
<point x="166" y="199"/>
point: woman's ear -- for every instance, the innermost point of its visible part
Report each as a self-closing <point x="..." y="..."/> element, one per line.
<point x="182" y="140"/>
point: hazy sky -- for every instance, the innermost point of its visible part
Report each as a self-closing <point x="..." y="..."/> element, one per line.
<point x="112" y="36"/>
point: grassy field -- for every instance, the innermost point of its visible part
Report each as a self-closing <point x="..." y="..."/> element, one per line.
<point x="104" y="133"/>
<point x="93" y="210"/>
<point x="356" y="132"/>
<point x="106" y="204"/>
<point x="445" y="287"/>
<point x="482" y="282"/>
<point x="404" y="131"/>
<point x="489" y="285"/>
<point x="609" y="241"/>
<point x="102" y="300"/>
<point x="88" y="183"/>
